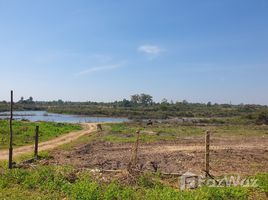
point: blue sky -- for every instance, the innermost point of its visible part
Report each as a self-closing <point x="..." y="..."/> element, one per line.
<point x="103" y="50"/>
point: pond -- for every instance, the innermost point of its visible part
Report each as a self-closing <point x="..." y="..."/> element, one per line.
<point x="52" y="117"/>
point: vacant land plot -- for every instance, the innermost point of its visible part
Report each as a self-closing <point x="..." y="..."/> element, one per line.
<point x="172" y="149"/>
<point x="94" y="166"/>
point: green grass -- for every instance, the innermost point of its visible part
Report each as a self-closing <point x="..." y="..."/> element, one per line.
<point x="24" y="132"/>
<point x="126" y="132"/>
<point x="19" y="193"/>
<point x="58" y="182"/>
<point x="245" y="130"/>
<point x="262" y="181"/>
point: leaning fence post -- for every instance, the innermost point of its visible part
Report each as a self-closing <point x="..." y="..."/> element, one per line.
<point x="207" y="143"/>
<point x="36" y="142"/>
<point x="11" y="133"/>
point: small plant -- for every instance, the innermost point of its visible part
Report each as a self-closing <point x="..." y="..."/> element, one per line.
<point x="85" y="190"/>
<point x="146" y="181"/>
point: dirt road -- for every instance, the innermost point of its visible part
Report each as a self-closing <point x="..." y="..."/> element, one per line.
<point x="64" y="139"/>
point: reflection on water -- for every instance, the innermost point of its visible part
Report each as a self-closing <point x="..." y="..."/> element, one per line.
<point x="45" y="116"/>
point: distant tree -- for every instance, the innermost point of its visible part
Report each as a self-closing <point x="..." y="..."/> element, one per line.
<point x="125" y="103"/>
<point x="28" y="101"/>
<point x="164" y="107"/>
<point x="164" y="101"/>
<point x="60" y="101"/>
<point x="146" y="99"/>
<point x="135" y="99"/>
<point x="209" y="104"/>
<point x="21" y="100"/>
<point x="226" y="105"/>
<point x="185" y="102"/>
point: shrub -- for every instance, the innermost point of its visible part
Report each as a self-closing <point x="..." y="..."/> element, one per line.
<point x="117" y="192"/>
<point x="85" y="190"/>
<point x="146" y="182"/>
<point x="228" y="193"/>
<point x="262" y="181"/>
<point x="262" y="118"/>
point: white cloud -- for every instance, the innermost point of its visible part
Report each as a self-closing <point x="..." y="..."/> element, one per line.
<point x="100" y="68"/>
<point x="152" y="50"/>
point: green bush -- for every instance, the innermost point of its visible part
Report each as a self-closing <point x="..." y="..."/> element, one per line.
<point x="167" y="193"/>
<point x="225" y="193"/>
<point x="145" y="182"/>
<point x="85" y="190"/>
<point x="116" y="192"/>
<point x="262" y="181"/>
<point x="262" y="118"/>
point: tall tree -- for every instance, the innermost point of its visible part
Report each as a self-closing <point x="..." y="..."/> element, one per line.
<point x="135" y="98"/>
<point x="146" y="99"/>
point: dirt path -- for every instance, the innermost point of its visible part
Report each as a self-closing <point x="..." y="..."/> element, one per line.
<point x="64" y="139"/>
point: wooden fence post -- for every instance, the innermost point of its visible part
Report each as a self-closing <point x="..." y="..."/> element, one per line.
<point x="136" y="147"/>
<point x="207" y="143"/>
<point x="99" y="127"/>
<point x="11" y="133"/>
<point x="36" y="142"/>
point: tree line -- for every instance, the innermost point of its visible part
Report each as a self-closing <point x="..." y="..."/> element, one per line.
<point x="143" y="106"/>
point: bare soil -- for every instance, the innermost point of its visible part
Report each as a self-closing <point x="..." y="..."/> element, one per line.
<point x="229" y="155"/>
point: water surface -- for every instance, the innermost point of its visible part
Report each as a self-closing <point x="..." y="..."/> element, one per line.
<point x="52" y="117"/>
